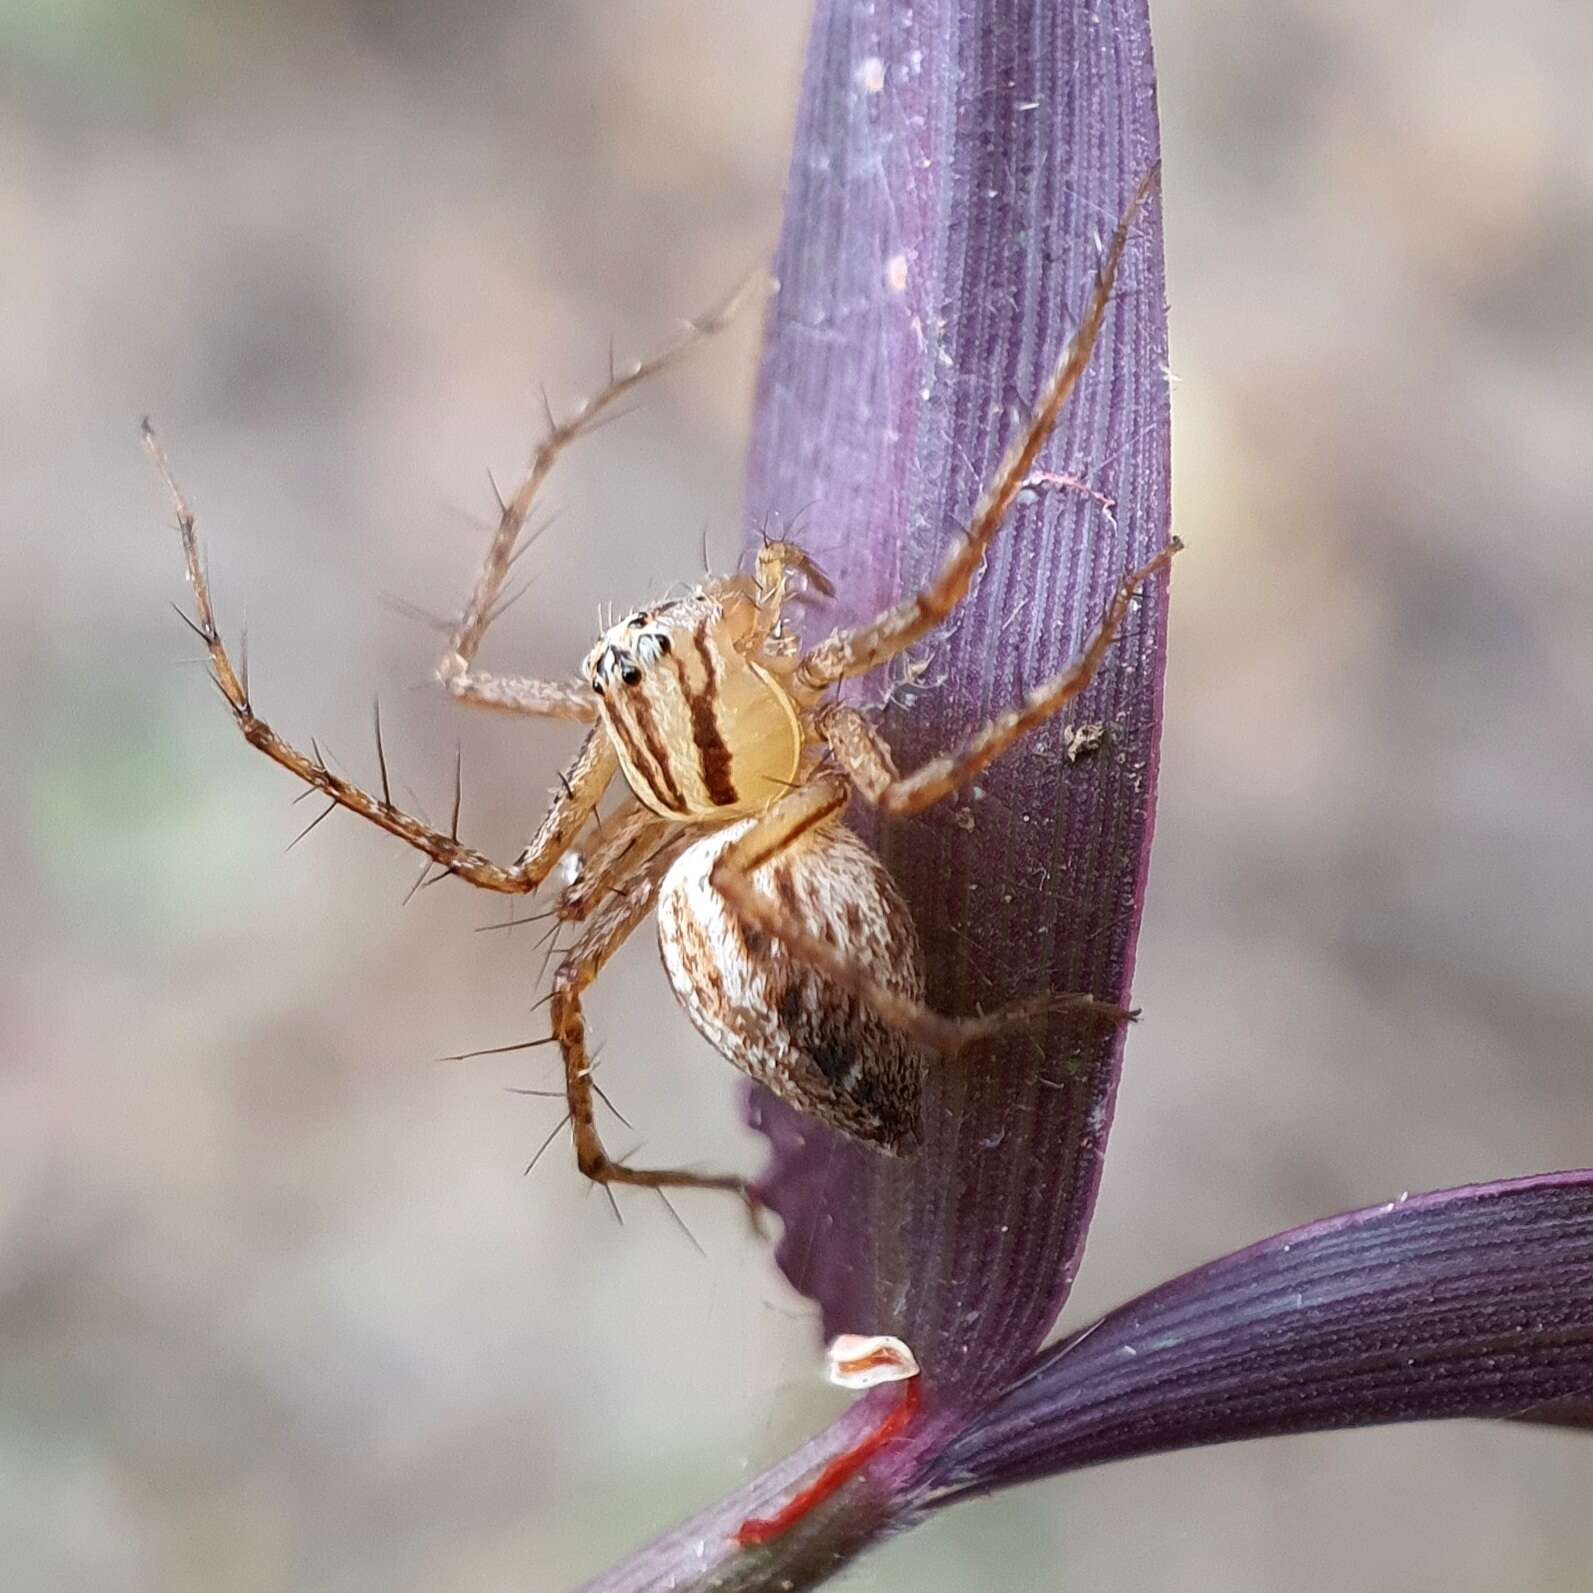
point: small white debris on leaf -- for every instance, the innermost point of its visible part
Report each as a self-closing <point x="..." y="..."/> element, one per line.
<point x="1078" y="741"/>
<point x="858" y="1360"/>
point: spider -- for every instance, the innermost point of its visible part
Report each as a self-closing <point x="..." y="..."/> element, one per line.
<point x="781" y="932"/>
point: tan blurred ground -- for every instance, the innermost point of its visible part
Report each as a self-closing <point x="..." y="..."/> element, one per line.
<point x="276" y="1309"/>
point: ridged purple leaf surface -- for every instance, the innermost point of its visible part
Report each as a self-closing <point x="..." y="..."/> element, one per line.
<point x="1470" y="1302"/>
<point x="956" y="168"/>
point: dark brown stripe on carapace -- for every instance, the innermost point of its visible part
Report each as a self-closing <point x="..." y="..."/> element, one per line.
<point x="649" y="729"/>
<point x="713" y="756"/>
<point x="660" y="781"/>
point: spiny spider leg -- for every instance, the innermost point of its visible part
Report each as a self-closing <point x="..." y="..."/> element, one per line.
<point x="612" y="921"/>
<point x="776" y="557"/>
<point x="771" y="590"/>
<point x="863" y="753"/>
<point x="520" y="694"/>
<point x="783" y="824"/>
<point x="626" y="843"/>
<point x="856" y="651"/>
<point x="582" y="785"/>
<point x="455" y="668"/>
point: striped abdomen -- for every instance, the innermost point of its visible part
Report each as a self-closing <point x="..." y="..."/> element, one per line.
<point x="818" y="1047"/>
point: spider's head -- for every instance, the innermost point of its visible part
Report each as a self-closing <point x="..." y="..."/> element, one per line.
<point x="702" y="729"/>
<point x="634" y="647"/>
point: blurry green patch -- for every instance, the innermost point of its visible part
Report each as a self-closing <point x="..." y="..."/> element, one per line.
<point x="102" y="42"/>
<point x="132" y="823"/>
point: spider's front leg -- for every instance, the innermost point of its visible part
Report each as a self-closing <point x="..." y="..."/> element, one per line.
<point x="581" y="787"/>
<point x="863" y="753"/>
<point x="520" y="694"/>
<point x="556" y="699"/>
<point x="856" y="651"/>
<point x="608" y="925"/>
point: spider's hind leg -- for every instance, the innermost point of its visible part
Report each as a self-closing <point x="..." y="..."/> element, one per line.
<point x="852" y="929"/>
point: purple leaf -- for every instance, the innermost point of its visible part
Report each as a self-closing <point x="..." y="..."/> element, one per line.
<point x="956" y="167"/>
<point x="1470" y="1302"/>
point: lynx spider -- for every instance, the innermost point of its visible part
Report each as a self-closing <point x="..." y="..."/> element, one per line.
<point x="781" y="932"/>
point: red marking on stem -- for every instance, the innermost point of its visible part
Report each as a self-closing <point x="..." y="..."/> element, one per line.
<point x="757" y="1530"/>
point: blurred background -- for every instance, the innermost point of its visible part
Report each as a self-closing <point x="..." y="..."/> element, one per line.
<point x="277" y="1309"/>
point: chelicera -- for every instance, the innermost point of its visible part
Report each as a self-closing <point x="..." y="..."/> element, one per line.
<point x="781" y="932"/>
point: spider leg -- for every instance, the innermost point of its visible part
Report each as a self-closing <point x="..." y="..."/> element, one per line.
<point x="783" y="824"/>
<point x="454" y="669"/>
<point x="772" y="570"/>
<point x="580" y="789"/>
<point x="611" y="922"/>
<point x="519" y="694"/>
<point x="856" y="651"/>
<point x="626" y="842"/>
<point x="863" y="754"/>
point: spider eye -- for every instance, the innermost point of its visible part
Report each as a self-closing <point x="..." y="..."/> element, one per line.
<point x="597" y="686"/>
<point x="630" y="674"/>
<point x="662" y="644"/>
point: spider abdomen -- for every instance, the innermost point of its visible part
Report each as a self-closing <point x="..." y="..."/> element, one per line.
<point x="782" y="1022"/>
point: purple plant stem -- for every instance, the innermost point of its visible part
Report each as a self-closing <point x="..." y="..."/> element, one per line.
<point x="956" y="167"/>
<point x="699" y="1553"/>
<point x="1470" y="1302"/>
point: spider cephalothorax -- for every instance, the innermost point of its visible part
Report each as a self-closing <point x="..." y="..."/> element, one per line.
<point x="781" y="932"/>
<point x="701" y="726"/>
